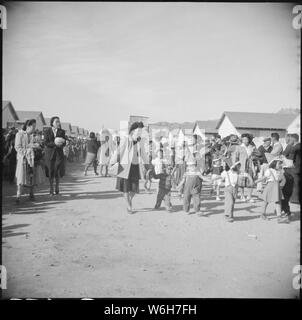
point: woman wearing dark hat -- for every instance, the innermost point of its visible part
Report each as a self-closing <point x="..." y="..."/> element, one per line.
<point x="131" y="156"/>
<point x="245" y="154"/>
<point x="55" y="140"/>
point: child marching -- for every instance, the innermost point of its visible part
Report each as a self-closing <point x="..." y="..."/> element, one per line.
<point x="191" y="185"/>
<point x="230" y="177"/>
<point x="164" y="187"/>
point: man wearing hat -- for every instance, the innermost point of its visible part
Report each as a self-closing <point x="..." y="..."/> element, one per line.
<point x="264" y="148"/>
<point x="277" y="146"/>
<point x="233" y="143"/>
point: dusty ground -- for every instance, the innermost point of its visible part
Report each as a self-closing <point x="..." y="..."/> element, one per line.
<point x="84" y="244"/>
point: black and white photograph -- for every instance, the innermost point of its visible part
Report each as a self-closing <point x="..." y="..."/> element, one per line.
<point x="150" y="150"/>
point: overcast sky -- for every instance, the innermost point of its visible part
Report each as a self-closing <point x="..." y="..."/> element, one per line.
<point x="93" y="64"/>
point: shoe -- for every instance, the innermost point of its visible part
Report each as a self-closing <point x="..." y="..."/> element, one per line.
<point x="85" y="174"/>
<point x="263" y="216"/>
<point x="129" y="211"/>
<point x="32" y="197"/>
<point x="202" y="214"/>
<point x="283" y="220"/>
<point x="229" y="219"/>
<point x="218" y="198"/>
<point x="96" y="173"/>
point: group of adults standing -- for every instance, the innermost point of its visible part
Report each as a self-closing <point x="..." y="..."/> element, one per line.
<point x="30" y="171"/>
<point x="98" y="152"/>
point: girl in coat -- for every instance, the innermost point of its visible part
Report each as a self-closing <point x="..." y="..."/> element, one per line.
<point x="275" y="179"/>
<point x="25" y="159"/>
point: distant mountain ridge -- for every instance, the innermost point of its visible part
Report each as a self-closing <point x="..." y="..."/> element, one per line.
<point x="289" y="111"/>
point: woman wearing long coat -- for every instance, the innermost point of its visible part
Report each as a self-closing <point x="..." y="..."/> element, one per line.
<point x="54" y="155"/>
<point x="24" y="147"/>
<point x="131" y="156"/>
<point x="244" y="154"/>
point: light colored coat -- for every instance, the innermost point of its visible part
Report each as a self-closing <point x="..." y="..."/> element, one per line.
<point x="23" y="146"/>
<point x="126" y="152"/>
<point x="245" y="158"/>
<point x="103" y="158"/>
<point x="277" y="149"/>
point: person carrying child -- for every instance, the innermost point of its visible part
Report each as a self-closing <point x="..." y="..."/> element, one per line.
<point x="275" y="180"/>
<point x="191" y="185"/>
<point x="164" y="187"/>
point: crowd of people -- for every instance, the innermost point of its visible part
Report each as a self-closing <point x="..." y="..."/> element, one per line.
<point x="234" y="162"/>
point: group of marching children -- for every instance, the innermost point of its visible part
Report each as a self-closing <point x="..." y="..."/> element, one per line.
<point x="226" y="168"/>
<point x="189" y="187"/>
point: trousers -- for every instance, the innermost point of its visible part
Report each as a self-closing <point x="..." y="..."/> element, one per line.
<point x="230" y="194"/>
<point x="163" y="194"/>
<point x="187" y="201"/>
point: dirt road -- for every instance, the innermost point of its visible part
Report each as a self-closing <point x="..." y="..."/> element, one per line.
<point x="83" y="243"/>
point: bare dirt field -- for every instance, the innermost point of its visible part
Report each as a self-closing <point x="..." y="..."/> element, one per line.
<point x="83" y="243"/>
